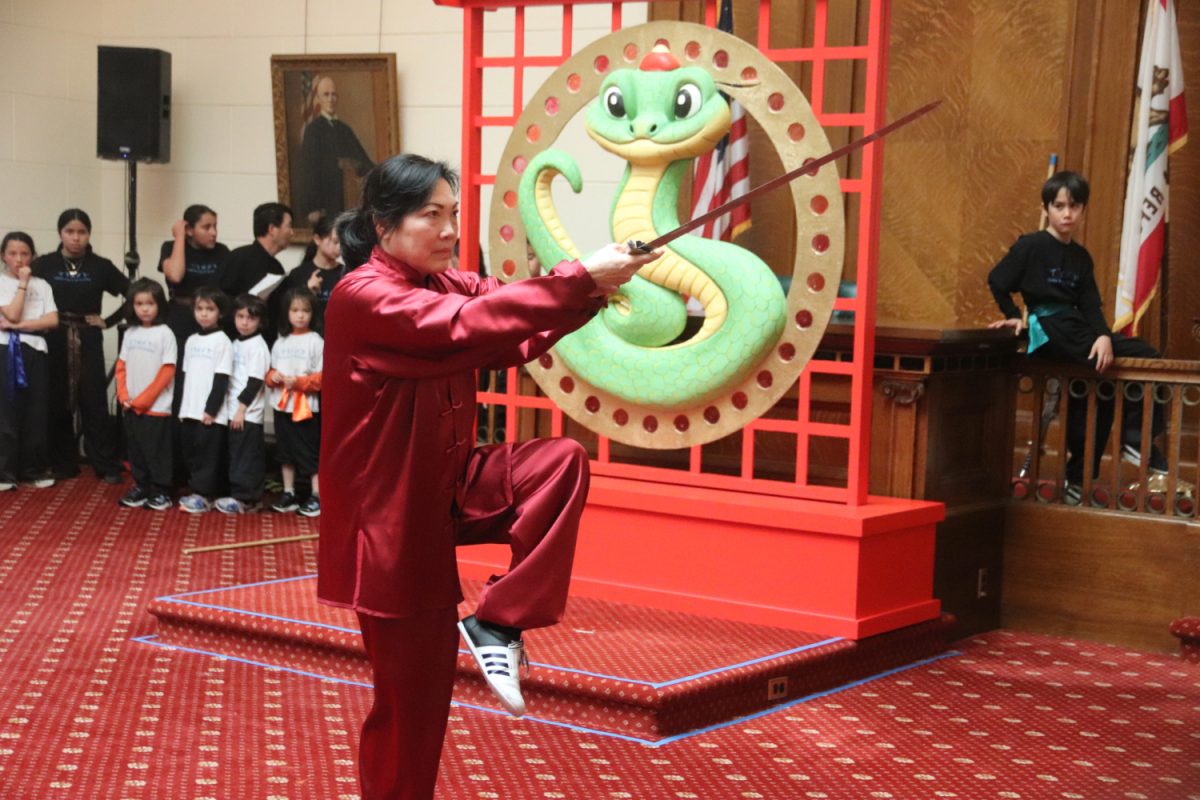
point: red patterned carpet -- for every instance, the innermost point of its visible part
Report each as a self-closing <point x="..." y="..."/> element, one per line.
<point x="85" y="712"/>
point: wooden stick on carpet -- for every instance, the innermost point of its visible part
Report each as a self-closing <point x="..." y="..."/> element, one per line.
<point x="256" y="543"/>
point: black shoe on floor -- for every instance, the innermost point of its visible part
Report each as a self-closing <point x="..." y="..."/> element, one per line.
<point x="159" y="501"/>
<point x="310" y="507"/>
<point x="285" y="503"/>
<point x="135" y="498"/>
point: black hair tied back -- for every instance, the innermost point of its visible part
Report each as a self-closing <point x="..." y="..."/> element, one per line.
<point x="392" y="190"/>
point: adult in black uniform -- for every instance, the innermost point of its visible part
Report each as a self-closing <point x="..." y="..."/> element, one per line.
<point x="251" y="268"/>
<point x="77" y="380"/>
<point x="321" y="268"/>
<point x="1055" y="277"/>
<point x="327" y="147"/>
<point x="190" y="259"/>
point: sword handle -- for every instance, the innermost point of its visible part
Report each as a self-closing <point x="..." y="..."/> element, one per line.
<point x="638" y="246"/>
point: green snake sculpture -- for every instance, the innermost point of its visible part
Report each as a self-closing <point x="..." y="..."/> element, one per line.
<point x="658" y="118"/>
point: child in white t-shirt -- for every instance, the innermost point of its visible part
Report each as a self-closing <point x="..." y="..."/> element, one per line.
<point x="207" y="364"/>
<point x="145" y="390"/>
<point x="245" y="405"/>
<point x="295" y="381"/>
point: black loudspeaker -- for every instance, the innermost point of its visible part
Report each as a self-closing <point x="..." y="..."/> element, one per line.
<point x="133" y="119"/>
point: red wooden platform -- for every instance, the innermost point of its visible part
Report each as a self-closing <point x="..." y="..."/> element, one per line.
<point x="645" y="674"/>
<point x="828" y="568"/>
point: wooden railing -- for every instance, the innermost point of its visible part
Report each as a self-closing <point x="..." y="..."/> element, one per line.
<point x="1048" y="393"/>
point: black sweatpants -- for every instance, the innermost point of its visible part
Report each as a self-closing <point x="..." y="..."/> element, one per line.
<point x="298" y="443"/>
<point x="1131" y="411"/>
<point x="148" y="440"/>
<point x="24" y="455"/>
<point x="247" y="463"/>
<point x="204" y="449"/>
<point x="97" y="424"/>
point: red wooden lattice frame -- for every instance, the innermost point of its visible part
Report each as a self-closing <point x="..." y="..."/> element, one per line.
<point x="873" y="56"/>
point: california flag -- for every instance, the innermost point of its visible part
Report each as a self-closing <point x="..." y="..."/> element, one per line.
<point x="1159" y="129"/>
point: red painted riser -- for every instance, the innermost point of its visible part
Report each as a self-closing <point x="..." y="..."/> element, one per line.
<point x="566" y="683"/>
<point x="832" y="569"/>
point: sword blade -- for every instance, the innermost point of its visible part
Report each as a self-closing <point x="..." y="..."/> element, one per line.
<point x="809" y="168"/>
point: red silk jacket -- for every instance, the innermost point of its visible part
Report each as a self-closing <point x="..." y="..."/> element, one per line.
<point x="398" y="419"/>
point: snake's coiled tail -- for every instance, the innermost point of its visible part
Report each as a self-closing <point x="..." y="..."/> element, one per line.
<point x="626" y="350"/>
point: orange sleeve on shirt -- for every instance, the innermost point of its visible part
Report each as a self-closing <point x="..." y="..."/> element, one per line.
<point x="122" y="389"/>
<point x="145" y="401"/>
<point x="309" y="384"/>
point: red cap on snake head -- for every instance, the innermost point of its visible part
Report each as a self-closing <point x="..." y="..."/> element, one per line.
<point x="659" y="60"/>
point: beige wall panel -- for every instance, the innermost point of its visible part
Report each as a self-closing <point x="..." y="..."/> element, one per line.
<point x="24" y="65"/>
<point x="37" y="201"/>
<point x="8" y="126"/>
<point x="254" y="130"/>
<point x="165" y="18"/>
<point x="201" y="138"/>
<point x="60" y="16"/>
<point x="342" y="18"/>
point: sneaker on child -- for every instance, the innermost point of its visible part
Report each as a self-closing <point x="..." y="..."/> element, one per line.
<point x="42" y="483"/>
<point x="5" y="486"/>
<point x="285" y="503"/>
<point x="195" y="504"/>
<point x="500" y="658"/>
<point x="1132" y="455"/>
<point x="135" y="498"/>
<point x="231" y="505"/>
<point x="310" y="507"/>
<point x="159" y="501"/>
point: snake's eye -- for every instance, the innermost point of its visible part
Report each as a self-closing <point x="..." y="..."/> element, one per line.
<point x="614" y="101"/>
<point x="687" y="101"/>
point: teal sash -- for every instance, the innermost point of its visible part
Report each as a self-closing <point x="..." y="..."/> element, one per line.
<point x="1037" y="335"/>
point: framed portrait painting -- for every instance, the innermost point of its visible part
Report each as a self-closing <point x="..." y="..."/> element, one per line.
<point x="336" y="116"/>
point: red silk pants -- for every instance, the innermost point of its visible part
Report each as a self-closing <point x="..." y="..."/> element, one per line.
<point x="413" y="657"/>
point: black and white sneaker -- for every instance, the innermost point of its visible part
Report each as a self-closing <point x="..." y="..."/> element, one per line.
<point x="159" y="501"/>
<point x="285" y="503"/>
<point x="500" y="658"/>
<point x="135" y="498"/>
<point x="1132" y="455"/>
<point x="310" y="507"/>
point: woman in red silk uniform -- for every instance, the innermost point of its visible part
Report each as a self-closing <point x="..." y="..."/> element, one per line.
<point x="402" y="482"/>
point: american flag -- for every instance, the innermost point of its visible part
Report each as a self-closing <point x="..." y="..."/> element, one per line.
<point x="724" y="173"/>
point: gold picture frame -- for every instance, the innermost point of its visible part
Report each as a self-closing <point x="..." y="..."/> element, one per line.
<point x="335" y="117"/>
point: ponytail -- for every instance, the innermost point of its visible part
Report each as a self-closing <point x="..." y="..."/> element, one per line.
<point x="356" y="231"/>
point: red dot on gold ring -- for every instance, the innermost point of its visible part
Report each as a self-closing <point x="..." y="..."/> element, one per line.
<point x="739" y="400"/>
<point x="567" y="384"/>
<point x="620" y="416"/>
<point x="592" y="404"/>
<point x="650" y="423"/>
<point x="712" y="415"/>
<point x="547" y="361"/>
<point x="682" y="423"/>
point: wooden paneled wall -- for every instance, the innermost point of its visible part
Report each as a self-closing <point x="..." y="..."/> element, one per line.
<point x="1020" y="80"/>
